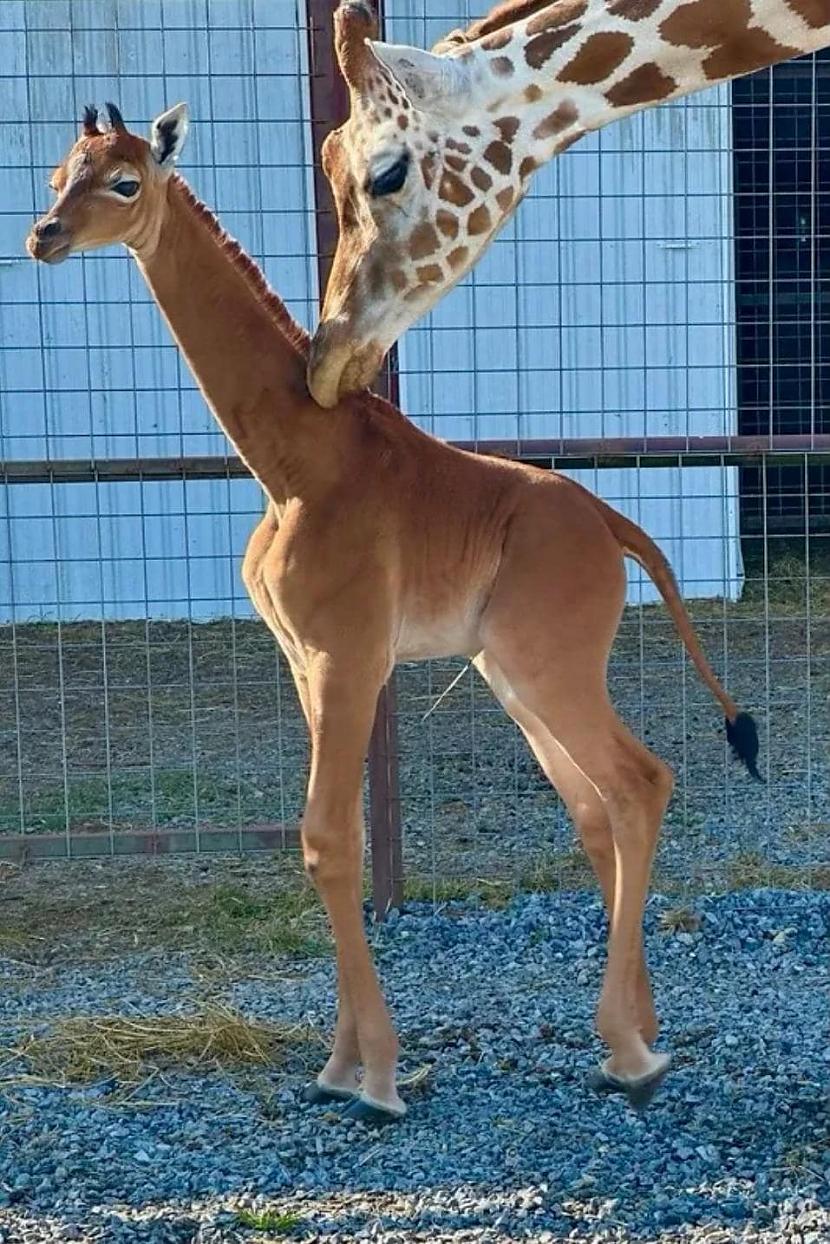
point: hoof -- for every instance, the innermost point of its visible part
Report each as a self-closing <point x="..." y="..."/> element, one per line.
<point x="372" y="1113"/>
<point x="639" y="1092"/>
<point x="315" y="1094"/>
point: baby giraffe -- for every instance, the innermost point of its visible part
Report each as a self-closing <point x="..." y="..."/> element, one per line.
<point x="381" y="544"/>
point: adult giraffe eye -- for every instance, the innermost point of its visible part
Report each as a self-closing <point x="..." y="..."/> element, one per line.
<point x="391" y="179"/>
<point x="126" y="188"/>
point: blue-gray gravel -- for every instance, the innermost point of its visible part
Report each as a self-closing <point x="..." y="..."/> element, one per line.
<point x="502" y="1141"/>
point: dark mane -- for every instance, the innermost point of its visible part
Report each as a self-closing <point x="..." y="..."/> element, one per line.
<point x="504" y="14"/>
<point x="295" y="334"/>
<point x="253" y="275"/>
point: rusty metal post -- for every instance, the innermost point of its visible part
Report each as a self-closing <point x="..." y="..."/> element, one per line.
<point x="329" y="102"/>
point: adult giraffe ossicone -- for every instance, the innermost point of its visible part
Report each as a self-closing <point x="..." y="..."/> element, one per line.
<point x="440" y="146"/>
<point x="380" y="544"/>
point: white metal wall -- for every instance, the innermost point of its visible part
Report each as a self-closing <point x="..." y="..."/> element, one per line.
<point x="605" y="309"/>
<point x="87" y="367"/>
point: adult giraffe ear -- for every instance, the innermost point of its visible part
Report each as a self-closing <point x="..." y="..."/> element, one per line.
<point x="430" y="81"/>
<point x="167" y="135"/>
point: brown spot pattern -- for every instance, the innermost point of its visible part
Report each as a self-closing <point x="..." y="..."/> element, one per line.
<point x="454" y="145"/>
<point x="598" y="57"/>
<point x="403" y="121"/>
<point x="480" y="178"/>
<point x="498" y="154"/>
<point x="736" y="47"/>
<point x="532" y="93"/>
<point x="752" y="51"/>
<point x="644" y="86"/>
<point x="812" y="12"/>
<point x="504" y="14"/>
<point x="634" y="10"/>
<point x="457" y="257"/>
<point x="704" y="24"/>
<point x="541" y="47"/>
<point x="398" y="279"/>
<point x="556" y="15"/>
<point x="502" y="65"/>
<point x="377" y="280"/>
<point x="499" y="39"/>
<point x="453" y="190"/>
<point x="447" y="223"/>
<point x="505" y="197"/>
<point x="556" y="121"/>
<point x="528" y="166"/>
<point x="424" y="241"/>
<point x="472" y="131"/>
<point x="429" y="273"/>
<point x="508" y="128"/>
<point x="428" y="170"/>
<point x="456" y="163"/>
<point x="478" y="221"/>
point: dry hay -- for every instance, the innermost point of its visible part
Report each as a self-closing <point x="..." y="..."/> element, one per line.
<point x="82" y="1049"/>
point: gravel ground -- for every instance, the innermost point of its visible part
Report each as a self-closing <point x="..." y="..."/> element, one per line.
<point x="502" y="1141"/>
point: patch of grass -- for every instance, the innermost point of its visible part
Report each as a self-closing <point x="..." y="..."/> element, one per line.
<point x="220" y="908"/>
<point x="132" y="800"/>
<point x="82" y="1049"/>
<point x="494" y="894"/>
<point x="16" y="940"/>
<point x="679" y="920"/>
<point x="749" y="871"/>
<point x="565" y="870"/>
<point x="230" y="918"/>
<point x="809" y="1156"/>
<point x="268" y="1220"/>
<point x="808" y="831"/>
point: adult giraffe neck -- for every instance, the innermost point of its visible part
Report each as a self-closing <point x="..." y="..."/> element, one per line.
<point x="615" y="57"/>
<point x="244" y="350"/>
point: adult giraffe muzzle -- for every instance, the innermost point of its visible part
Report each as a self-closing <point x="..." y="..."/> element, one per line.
<point x="440" y="146"/>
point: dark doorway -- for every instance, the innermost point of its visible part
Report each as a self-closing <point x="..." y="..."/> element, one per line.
<point x="781" y="120"/>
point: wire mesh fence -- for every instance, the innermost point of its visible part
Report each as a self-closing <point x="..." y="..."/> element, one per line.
<point x="664" y="282"/>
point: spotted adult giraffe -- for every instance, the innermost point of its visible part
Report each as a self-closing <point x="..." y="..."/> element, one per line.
<point x="381" y="544"/>
<point x="440" y="146"/>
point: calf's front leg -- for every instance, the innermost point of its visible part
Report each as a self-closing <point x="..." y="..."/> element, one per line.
<point x="341" y="705"/>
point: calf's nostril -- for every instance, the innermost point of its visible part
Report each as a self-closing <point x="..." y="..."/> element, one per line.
<point x="49" y="229"/>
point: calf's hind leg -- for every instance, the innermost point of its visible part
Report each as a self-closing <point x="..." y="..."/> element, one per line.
<point x="546" y="634"/>
<point x="634" y="788"/>
<point x="590" y="818"/>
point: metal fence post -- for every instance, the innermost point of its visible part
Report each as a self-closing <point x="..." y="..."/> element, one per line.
<point x="329" y="102"/>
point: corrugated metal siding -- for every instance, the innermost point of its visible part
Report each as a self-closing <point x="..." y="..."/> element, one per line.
<point x="605" y="308"/>
<point x="87" y="367"/>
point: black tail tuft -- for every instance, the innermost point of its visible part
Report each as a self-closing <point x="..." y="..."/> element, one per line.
<point x="742" y="734"/>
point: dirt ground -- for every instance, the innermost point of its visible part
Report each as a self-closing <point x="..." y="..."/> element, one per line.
<point x="217" y="908"/>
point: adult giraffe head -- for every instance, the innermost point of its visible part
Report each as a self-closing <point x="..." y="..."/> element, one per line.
<point x="420" y="189"/>
<point x="439" y="146"/>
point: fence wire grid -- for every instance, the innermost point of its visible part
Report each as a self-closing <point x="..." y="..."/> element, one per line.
<point x="666" y="280"/>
